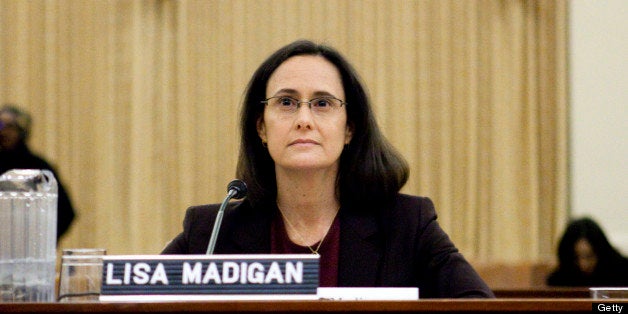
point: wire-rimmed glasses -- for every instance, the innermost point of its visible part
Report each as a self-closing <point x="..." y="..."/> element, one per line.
<point x="321" y="106"/>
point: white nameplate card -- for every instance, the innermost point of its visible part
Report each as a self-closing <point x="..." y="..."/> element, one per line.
<point x="209" y="277"/>
<point x="367" y="293"/>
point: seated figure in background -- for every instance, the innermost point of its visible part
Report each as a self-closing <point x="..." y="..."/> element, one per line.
<point x="586" y="258"/>
<point x="15" y="127"/>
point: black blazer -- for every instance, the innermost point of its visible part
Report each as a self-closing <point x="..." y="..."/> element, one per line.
<point x="410" y="250"/>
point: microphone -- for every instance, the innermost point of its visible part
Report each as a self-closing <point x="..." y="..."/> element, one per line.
<point x="236" y="189"/>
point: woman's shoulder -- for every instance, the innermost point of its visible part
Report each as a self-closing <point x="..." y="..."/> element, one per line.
<point x="207" y="212"/>
<point x="412" y="209"/>
<point x="199" y="211"/>
<point x="413" y="204"/>
<point x="407" y="198"/>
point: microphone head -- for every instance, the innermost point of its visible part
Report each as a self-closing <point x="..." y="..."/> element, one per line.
<point x="239" y="187"/>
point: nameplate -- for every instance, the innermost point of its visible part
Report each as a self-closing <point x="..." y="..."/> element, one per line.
<point x="209" y="277"/>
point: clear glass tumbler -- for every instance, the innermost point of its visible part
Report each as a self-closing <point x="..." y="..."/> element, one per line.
<point x="609" y="292"/>
<point x="81" y="275"/>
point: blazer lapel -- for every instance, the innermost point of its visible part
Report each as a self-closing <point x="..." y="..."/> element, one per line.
<point x="360" y="253"/>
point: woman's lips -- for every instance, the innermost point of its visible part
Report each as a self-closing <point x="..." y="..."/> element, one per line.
<point x="304" y="142"/>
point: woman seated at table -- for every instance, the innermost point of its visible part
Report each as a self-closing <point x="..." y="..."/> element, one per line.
<point x="322" y="179"/>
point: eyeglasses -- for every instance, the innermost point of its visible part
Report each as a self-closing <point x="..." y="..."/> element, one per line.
<point x="320" y="106"/>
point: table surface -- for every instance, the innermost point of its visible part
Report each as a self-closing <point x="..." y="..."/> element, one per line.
<point x="524" y="305"/>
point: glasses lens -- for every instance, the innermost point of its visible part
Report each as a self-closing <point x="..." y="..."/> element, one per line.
<point x="325" y="104"/>
<point x="283" y="104"/>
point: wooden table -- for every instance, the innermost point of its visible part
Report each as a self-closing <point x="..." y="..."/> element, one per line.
<point x="524" y="305"/>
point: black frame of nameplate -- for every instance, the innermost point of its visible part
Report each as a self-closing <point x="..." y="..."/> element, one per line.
<point x="136" y="277"/>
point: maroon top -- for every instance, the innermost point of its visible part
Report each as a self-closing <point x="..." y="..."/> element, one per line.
<point x="280" y="243"/>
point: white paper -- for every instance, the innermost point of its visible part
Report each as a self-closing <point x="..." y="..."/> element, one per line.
<point x="379" y="294"/>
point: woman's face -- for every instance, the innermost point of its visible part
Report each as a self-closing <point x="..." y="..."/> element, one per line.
<point x="586" y="259"/>
<point x="305" y="140"/>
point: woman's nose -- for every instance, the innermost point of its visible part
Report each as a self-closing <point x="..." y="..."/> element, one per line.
<point x="304" y="117"/>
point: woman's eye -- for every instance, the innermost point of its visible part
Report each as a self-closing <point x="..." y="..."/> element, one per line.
<point x="321" y="103"/>
<point x="285" y="101"/>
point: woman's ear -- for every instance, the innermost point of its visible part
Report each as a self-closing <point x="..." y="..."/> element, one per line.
<point x="348" y="133"/>
<point x="261" y="129"/>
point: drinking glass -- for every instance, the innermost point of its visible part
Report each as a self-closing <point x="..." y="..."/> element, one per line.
<point x="609" y="293"/>
<point x="81" y="275"/>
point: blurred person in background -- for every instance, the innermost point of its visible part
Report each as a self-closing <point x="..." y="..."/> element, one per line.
<point x="15" y="127"/>
<point x="587" y="259"/>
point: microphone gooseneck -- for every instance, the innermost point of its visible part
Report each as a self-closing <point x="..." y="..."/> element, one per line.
<point x="237" y="190"/>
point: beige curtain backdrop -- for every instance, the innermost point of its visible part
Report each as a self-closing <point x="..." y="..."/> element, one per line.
<point x="136" y="102"/>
